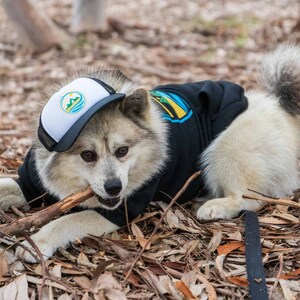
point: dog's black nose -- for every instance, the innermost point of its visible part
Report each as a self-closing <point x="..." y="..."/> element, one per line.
<point x="113" y="186"/>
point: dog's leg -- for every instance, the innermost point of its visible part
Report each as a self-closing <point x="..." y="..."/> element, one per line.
<point x="226" y="208"/>
<point x="60" y="232"/>
<point x="11" y="194"/>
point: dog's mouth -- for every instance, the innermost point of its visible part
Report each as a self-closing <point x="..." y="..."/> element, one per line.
<point x="109" y="202"/>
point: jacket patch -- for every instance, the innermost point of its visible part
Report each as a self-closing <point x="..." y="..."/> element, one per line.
<point x="176" y="110"/>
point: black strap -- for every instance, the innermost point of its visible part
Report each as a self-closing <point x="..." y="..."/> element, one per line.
<point x="255" y="269"/>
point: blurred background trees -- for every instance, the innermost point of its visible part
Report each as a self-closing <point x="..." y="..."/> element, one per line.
<point x="37" y="30"/>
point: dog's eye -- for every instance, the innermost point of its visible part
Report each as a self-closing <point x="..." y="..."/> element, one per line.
<point x="88" y="155"/>
<point x="121" y="152"/>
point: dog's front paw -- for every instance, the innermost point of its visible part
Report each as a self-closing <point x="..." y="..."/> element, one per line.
<point x="11" y="194"/>
<point x="42" y="242"/>
<point x="222" y="208"/>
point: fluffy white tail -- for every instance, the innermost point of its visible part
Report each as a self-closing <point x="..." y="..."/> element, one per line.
<point x="280" y="75"/>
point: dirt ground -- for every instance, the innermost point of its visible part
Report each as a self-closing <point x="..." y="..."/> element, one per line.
<point x="153" y="42"/>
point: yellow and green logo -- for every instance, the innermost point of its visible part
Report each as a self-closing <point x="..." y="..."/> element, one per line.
<point x="72" y="102"/>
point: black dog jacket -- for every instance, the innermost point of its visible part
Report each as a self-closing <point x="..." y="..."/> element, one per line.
<point x="196" y="114"/>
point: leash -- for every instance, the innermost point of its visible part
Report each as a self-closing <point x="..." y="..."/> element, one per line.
<point x="255" y="269"/>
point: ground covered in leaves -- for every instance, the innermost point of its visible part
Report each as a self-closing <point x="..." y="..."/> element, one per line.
<point x="153" y="42"/>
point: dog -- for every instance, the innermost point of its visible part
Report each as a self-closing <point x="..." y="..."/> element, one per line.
<point x="139" y="146"/>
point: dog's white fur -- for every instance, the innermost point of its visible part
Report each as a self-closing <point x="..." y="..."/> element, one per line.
<point x="11" y="194"/>
<point x="258" y="151"/>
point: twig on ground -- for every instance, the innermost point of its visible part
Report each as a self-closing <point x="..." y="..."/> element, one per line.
<point x="127" y="219"/>
<point x="46" y="215"/>
<point x="11" y="241"/>
<point x="5" y="216"/>
<point x="185" y="186"/>
<point x="272" y="290"/>
<point x="60" y="284"/>
<point x="17" y="211"/>
<point x="280" y="201"/>
<point x="45" y="271"/>
<point x="66" y="254"/>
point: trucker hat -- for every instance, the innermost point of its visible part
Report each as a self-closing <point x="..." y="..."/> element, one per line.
<point x="68" y="110"/>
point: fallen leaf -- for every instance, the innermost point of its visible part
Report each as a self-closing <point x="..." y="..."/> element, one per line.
<point x="108" y="287"/>
<point x="145" y="216"/>
<point x="287" y="290"/>
<point x="227" y="248"/>
<point x="182" y="287"/>
<point x="112" y="294"/>
<point x="3" y="267"/>
<point x="133" y="279"/>
<point x="82" y="259"/>
<point x="211" y="292"/>
<point x="72" y="271"/>
<point x="107" y="281"/>
<point x="273" y="220"/>
<point x="215" y="240"/>
<point x="65" y="296"/>
<point x="236" y="236"/>
<point x="239" y="281"/>
<point x="83" y="281"/>
<point x="121" y="252"/>
<point x="291" y="275"/>
<point x="288" y="217"/>
<point x="143" y="242"/>
<point x="56" y="271"/>
<point x="153" y="279"/>
<point x="9" y="292"/>
<point x="171" y="219"/>
<point x="39" y="281"/>
<point x="84" y="297"/>
<point x="102" y="265"/>
<point x="22" y="287"/>
<point x="136" y="231"/>
<point x="191" y="246"/>
<point x="219" y="265"/>
<point x="50" y="293"/>
<point x="188" y="228"/>
<point x="16" y="290"/>
<point x="167" y="282"/>
<point x="138" y="234"/>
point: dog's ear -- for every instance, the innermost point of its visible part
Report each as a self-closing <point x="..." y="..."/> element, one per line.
<point x="136" y="105"/>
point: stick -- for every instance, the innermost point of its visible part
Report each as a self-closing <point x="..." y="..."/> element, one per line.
<point x="46" y="215"/>
<point x="281" y="201"/>
<point x="45" y="271"/>
<point x="185" y="186"/>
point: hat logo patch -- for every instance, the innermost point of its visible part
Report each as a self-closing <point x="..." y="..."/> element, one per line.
<point x="72" y="102"/>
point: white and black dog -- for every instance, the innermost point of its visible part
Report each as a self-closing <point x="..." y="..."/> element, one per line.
<point x="102" y="130"/>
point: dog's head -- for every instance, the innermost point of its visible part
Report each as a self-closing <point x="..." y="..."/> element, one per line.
<point x="121" y="147"/>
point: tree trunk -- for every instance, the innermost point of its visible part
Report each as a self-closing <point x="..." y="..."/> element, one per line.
<point x="88" y="15"/>
<point x="36" y="30"/>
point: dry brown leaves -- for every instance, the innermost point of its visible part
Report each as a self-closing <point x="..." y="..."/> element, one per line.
<point x="186" y="260"/>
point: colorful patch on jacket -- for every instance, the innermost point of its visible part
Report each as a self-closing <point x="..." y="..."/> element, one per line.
<point x="176" y="110"/>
